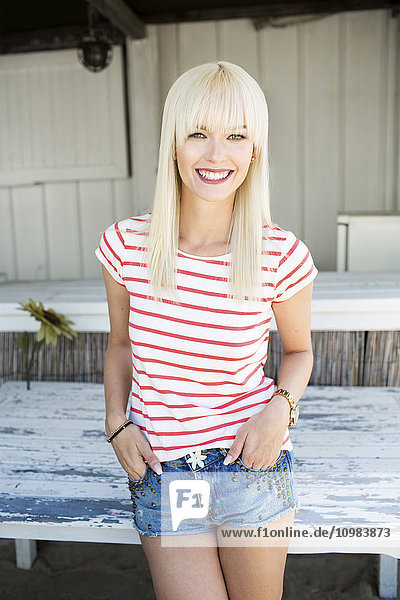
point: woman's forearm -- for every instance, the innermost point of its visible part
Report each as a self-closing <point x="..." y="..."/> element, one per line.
<point x="117" y="384"/>
<point x="295" y="371"/>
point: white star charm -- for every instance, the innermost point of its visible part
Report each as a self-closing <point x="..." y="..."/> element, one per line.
<point x="196" y="458"/>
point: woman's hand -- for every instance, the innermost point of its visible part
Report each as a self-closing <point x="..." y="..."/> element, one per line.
<point x="261" y="437"/>
<point x="132" y="447"/>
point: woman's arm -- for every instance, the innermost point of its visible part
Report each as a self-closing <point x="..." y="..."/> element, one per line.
<point x="261" y="436"/>
<point x="118" y="361"/>
<point x="130" y="445"/>
<point x="293" y="320"/>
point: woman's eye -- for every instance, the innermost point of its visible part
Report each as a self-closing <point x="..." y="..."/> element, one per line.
<point x="233" y="136"/>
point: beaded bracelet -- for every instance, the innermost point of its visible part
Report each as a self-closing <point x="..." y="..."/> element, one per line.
<point x="118" y="430"/>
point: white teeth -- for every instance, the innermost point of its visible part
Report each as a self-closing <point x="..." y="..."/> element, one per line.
<point x="213" y="176"/>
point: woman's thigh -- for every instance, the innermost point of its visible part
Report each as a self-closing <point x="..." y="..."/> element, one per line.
<point x="186" y="572"/>
<point x="255" y="571"/>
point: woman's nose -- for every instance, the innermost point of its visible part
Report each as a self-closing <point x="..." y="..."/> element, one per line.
<point x="215" y="150"/>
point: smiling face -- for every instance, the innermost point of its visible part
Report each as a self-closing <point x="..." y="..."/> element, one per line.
<point x="213" y="164"/>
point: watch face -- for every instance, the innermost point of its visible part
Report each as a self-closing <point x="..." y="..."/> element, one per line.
<point x="295" y="414"/>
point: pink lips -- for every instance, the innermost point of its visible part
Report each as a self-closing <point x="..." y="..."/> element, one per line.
<point x="213" y="181"/>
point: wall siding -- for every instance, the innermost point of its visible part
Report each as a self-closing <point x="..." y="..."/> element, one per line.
<point x="145" y="120"/>
<point x="365" y="86"/>
<point x="58" y="120"/>
<point x="280" y="77"/>
<point x="332" y="86"/>
<point x="321" y="137"/>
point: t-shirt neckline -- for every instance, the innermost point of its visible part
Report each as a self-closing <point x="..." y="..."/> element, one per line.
<point x="203" y="257"/>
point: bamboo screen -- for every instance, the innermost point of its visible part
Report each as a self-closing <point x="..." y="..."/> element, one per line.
<point x="370" y="358"/>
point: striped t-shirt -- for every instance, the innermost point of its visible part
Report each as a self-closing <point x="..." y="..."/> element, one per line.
<point x="198" y="363"/>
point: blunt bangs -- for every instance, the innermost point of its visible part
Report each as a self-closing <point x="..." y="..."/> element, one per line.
<point x="221" y="100"/>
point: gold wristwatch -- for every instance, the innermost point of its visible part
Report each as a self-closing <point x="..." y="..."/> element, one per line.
<point x="294" y="408"/>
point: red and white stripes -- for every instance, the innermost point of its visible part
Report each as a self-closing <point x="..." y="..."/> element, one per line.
<point x="198" y="362"/>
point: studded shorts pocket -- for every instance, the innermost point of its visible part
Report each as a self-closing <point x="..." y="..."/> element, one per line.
<point x="278" y="461"/>
<point x="134" y="482"/>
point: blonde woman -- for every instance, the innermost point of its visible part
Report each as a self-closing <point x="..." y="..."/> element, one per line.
<point x="191" y="288"/>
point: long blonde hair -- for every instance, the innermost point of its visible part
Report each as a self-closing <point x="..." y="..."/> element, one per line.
<point x="215" y="96"/>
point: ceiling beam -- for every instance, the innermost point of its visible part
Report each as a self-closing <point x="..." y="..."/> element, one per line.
<point x="59" y="38"/>
<point x="121" y="16"/>
<point x="273" y="8"/>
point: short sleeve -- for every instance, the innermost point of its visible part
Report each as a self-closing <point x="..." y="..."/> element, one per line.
<point x="110" y="252"/>
<point x="295" y="270"/>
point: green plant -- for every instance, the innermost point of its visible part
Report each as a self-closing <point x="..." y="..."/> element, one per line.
<point x="53" y="325"/>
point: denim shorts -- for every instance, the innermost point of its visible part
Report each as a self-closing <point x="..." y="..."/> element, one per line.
<point x="239" y="496"/>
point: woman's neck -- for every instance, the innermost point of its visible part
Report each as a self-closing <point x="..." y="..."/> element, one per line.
<point x="204" y="226"/>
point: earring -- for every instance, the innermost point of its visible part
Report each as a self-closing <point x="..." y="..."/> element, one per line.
<point x="253" y="158"/>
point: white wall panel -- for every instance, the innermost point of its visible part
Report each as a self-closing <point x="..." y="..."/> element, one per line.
<point x="319" y="120"/>
<point x="145" y="109"/>
<point x="238" y="44"/>
<point x="392" y="199"/>
<point x="50" y="231"/>
<point x="63" y="244"/>
<point x="197" y="44"/>
<point x="30" y="233"/>
<point x="124" y="202"/>
<point x="168" y="65"/>
<point x="7" y="238"/>
<point x="58" y="120"/>
<point x="97" y="210"/>
<point x="365" y="80"/>
<point x="280" y="83"/>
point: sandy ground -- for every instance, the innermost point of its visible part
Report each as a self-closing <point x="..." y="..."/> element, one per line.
<point x="88" y="571"/>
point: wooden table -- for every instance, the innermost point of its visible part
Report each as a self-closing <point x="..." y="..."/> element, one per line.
<point x="60" y="480"/>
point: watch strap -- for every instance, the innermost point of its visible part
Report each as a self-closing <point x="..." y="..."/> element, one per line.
<point x="294" y="408"/>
